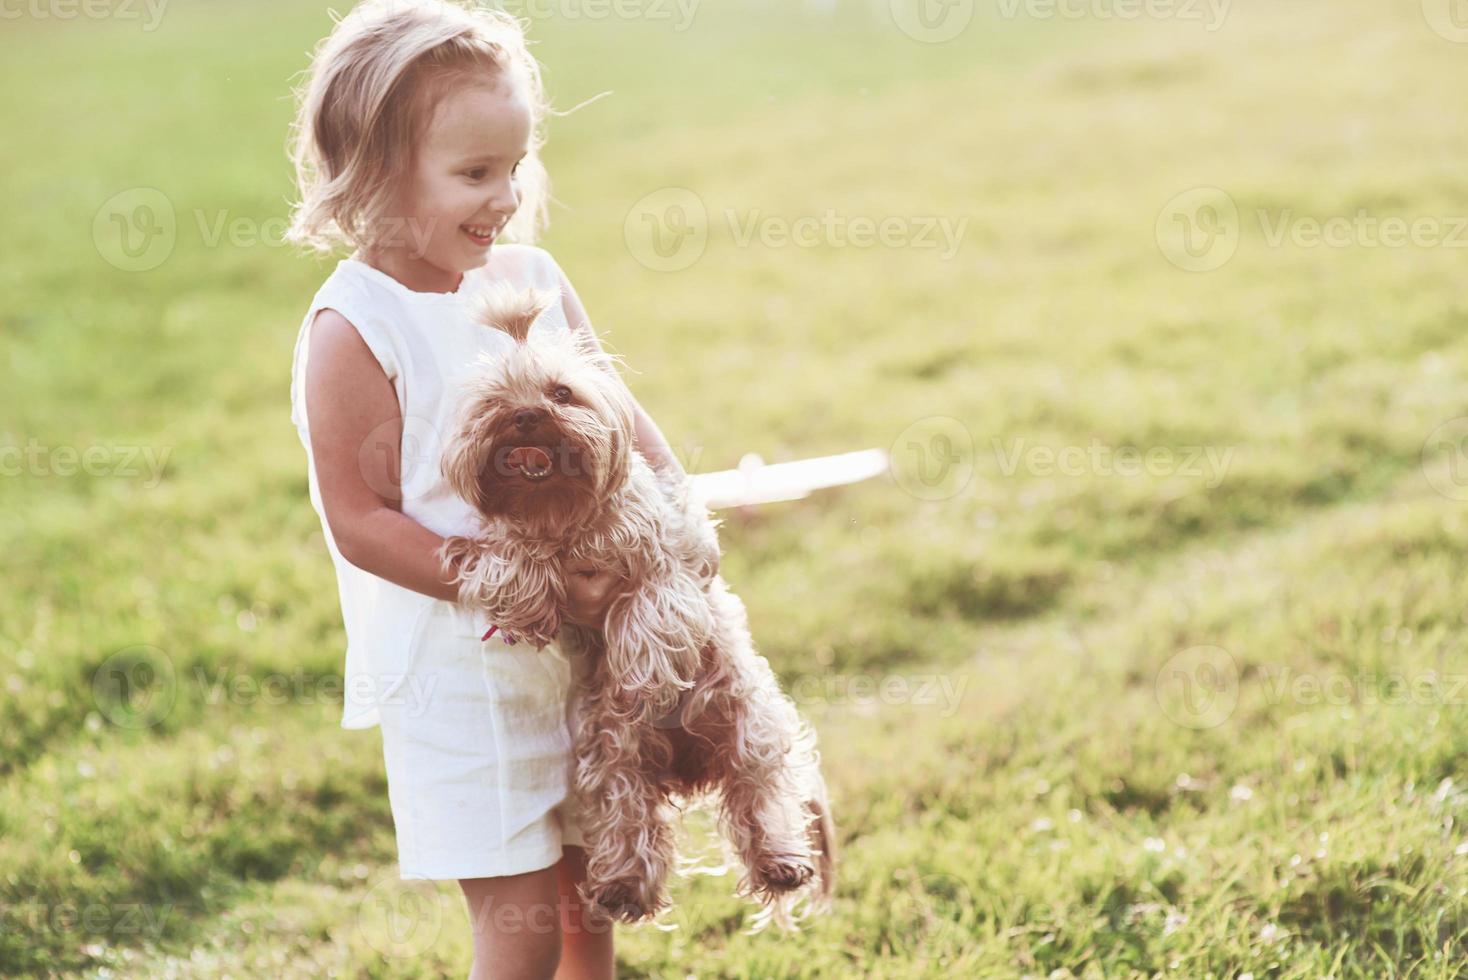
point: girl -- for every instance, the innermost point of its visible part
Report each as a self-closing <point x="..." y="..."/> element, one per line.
<point x="417" y="143"/>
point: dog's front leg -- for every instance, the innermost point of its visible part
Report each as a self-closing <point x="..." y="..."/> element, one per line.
<point x="521" y="590"/>
<point x="692" y="531"/>
<point x="655" y="636"/>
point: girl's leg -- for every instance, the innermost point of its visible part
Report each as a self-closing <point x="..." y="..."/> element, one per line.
<point x="586" y="951"/>
<point x="517" y="933"/>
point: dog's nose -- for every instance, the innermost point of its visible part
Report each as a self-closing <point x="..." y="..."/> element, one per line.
<point x="527" y="418"/>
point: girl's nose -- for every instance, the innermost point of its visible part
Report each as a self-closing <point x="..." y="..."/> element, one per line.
<point x="505" y="201"/>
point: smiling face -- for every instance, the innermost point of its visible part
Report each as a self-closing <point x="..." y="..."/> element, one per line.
<point x="462" y="187"/>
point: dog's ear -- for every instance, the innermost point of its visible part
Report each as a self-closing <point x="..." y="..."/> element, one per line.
<point x="503" y="307"/>
<point x="461" y="461"/>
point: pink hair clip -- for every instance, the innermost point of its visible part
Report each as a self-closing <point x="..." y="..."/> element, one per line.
<point x="508" y="638"/>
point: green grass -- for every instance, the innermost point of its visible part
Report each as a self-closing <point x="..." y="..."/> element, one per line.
<point x="1178" y="742"/>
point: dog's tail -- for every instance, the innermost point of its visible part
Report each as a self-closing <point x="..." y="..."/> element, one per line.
<point x="823" y="840"/>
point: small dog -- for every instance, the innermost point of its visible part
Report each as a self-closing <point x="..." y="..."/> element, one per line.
<point x="543" y="450"/>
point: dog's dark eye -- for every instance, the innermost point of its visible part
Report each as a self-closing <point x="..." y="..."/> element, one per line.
<point x="561" y="394"/>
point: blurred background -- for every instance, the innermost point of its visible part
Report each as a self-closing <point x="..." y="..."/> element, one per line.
<point x="1146" y="657"/>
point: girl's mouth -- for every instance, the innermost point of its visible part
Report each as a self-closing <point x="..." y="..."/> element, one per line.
<point x="480" y="235"/>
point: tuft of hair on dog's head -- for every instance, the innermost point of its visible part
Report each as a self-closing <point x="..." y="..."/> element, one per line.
<point x="503" y="307"/>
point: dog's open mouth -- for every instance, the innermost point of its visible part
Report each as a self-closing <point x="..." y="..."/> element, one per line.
<point x="531" y="462"/>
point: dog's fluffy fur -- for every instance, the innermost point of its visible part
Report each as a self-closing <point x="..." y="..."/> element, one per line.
<point x="544" y="452"/>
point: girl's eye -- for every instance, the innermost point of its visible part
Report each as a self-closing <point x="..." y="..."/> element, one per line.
<point x="561" y="394"/>
<point x="479" y="173"/>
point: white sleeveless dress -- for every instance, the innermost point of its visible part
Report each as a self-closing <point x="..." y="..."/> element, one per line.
<point x="476" y="734"/>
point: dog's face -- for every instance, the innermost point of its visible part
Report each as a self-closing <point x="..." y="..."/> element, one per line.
<point x="545" y="433"/>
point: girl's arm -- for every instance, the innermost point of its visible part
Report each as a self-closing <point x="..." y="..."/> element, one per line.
<point x="649" y="438"/>
<point x="356" y="430"/>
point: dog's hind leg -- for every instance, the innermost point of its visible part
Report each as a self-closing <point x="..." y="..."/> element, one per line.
<point x="631" y="845"/>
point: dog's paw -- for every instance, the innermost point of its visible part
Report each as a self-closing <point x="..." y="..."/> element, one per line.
<point x="619" y="902"/>
<point x="785" y="874"/>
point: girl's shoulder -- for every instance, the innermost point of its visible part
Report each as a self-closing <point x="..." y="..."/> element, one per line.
<point x="356" y="282"/>
<point x="525" y="265"/>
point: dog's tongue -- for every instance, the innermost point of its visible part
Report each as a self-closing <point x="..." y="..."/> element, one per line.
<point x="529" y="457"/>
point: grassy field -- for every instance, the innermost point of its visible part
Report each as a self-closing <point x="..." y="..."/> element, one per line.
<point x="1148" y="658"/>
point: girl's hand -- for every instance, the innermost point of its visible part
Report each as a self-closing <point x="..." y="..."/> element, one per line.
<point x="589" y="591"/>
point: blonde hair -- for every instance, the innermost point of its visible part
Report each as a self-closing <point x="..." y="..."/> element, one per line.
<point x="373" y="86"/>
